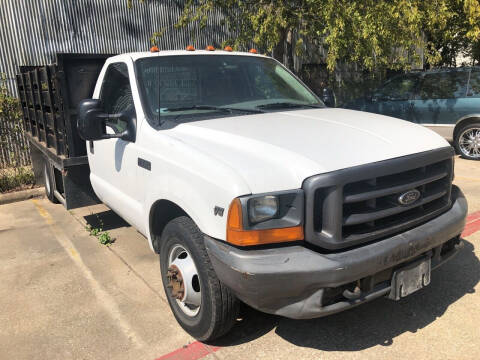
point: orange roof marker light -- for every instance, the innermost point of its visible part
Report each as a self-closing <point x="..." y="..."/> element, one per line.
<point x="253" y="51"/>
<point x="228" y="48"/>
<point x="154" y="49"/>
<point x="210" y="48"/>
<point x="190" y="48"/>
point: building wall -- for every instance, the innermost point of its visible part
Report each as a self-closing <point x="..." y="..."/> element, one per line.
<point x="32" y="31"/>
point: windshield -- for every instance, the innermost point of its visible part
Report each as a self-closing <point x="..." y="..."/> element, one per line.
<point x="191" y="87"/>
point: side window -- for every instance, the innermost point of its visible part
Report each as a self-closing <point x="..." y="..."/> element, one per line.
<point x="399" y="88"/>
<point x="474" y="84"/>
<point x="116" y="93"/>
<point x="444" y="85"/>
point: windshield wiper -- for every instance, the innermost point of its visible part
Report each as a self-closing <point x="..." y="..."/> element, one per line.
<point x="280" y="105"/>
<point x="253" y="111"/>
<point x="210" y="107"/>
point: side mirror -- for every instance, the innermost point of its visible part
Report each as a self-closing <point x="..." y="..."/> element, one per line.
<point x="328" y="97"/>
<point x="92" y="121"/>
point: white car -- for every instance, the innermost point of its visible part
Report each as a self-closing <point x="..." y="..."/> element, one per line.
<point x="251" y="190"/>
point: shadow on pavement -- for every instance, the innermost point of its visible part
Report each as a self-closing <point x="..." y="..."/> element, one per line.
<point x="107" y="220"/>
<point x="251" y="325"/>
<point x="374" y="323"/>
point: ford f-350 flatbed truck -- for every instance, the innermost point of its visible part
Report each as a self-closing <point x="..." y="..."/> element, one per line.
<point x="251" y="190"/>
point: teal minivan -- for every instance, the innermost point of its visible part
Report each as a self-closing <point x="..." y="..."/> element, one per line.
<point x="446" y="101"/>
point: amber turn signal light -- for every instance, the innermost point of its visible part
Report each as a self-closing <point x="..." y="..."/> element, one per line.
<point x="154" y="49"/>
<point x="210" y="48"/>
<point x="236" y="235"/>
<point x="228" y="48"/>
<point x="190" y="48"/>
<point x="253" y="51"/>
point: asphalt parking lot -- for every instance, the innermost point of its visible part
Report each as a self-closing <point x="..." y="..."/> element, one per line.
<point x="63" y="295"/>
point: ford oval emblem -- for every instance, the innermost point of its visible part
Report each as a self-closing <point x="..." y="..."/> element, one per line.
<point x="409" y="197"/>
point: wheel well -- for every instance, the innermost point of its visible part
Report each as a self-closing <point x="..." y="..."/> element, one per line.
<point x="161" y="213"/>
<point x="464" y="122"/>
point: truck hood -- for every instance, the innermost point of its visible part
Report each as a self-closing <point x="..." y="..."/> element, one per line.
<point x="279" y="150"/>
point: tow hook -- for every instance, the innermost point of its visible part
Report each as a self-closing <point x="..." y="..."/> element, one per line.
<point x="352" y="295"/>
<point x="175" y="282"/>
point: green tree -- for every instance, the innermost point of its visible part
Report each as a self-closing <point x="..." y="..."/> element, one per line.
<point x="375" y="34"/>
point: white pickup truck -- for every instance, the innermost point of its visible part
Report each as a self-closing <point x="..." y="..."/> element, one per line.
<point x="251" y="190"/>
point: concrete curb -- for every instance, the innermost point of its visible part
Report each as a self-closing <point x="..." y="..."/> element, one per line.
<point x="22" y="195"/>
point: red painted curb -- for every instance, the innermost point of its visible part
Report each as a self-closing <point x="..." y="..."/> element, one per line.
<point x="471" y="228"/>
<point x="473" y="224"/>
<point x="472" y="217"/>
<point x="193" y="351"/>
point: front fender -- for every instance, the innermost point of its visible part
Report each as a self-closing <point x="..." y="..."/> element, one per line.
<point x="198" y="202"/>
<point x="192" y="180"/>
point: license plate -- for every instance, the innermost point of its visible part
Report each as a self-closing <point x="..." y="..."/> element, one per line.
<point x="410" y="278"/>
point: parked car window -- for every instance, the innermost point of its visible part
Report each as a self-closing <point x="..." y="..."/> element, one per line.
<point x="474" y="84"/>
<point x="399" y="88"/>
<point x="116" y="93"/>
<point x="444" y="85"/>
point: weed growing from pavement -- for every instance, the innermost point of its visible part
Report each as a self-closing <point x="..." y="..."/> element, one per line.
<point x="103" y="237"/>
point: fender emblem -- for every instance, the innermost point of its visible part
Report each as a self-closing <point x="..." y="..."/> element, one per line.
<point x="218" y="211"/>
<point x="409" y="197"/>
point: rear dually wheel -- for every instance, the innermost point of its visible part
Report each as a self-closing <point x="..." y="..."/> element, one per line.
<point x="49" y="183"/>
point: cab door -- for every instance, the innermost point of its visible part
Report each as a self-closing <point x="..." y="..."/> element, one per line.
<point x="113" y="162"/>
<point x="394" y="98"/>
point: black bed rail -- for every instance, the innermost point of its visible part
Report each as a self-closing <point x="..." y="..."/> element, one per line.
<point x="49" y="95"/>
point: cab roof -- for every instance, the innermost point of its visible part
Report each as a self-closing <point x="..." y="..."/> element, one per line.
<point x="146" y="54"/>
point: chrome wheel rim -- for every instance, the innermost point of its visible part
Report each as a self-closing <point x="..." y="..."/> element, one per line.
<point x="469" y="143"/>
<point x="183" y="281"/>
<point x="47" y="182"/>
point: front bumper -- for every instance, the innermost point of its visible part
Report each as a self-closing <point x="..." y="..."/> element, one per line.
<point x="294" y="281"/>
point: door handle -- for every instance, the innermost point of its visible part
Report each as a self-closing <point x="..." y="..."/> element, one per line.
<point x="145" y="164"/>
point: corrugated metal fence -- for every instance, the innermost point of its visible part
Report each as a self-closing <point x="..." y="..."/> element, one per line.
<point x="32" y="31"/>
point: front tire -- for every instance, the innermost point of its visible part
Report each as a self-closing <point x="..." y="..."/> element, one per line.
<point x="467" y="141"/>
<point x="202" y="305"/>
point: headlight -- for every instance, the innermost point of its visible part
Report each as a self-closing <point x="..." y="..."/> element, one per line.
<point x="266" y="218"/>
<point x="262" y="208"/>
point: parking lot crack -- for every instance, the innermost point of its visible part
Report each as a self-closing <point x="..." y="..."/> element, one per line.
<point x="140" y="277"/>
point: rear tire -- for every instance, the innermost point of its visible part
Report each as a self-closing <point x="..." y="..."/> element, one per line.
<point x="49" y="184"/>
<point x="467" y="141"/>
<point x="218" y="308"/>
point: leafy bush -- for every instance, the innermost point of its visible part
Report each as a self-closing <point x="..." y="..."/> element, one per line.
<point x="13" y="144"/>
<point x="16" y="178"/>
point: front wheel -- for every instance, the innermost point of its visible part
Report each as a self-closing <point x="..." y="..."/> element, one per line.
<point x="467" y="141"/>
<point x="202" y="305"/>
